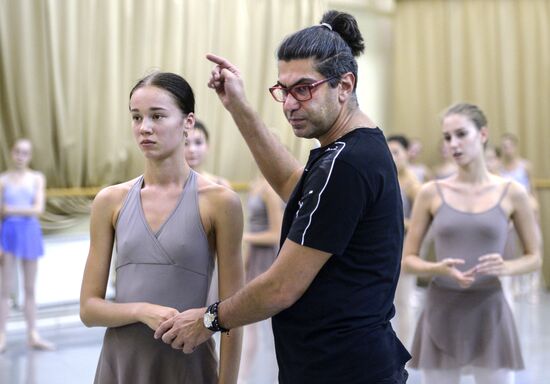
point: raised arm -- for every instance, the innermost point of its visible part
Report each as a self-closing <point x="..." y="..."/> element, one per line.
<point x="95" y="310"/>
<point x="278" y="166"/>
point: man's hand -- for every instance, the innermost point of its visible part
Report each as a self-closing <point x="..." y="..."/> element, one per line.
<point x="227" y="82"/>
<point x="184" y="331"/>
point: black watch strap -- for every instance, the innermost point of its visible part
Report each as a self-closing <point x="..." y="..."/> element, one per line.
<point x="212" y="310"/>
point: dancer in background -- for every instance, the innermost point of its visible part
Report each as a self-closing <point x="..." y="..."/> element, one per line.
<point x="408" y="182"/>
<point x="422" y="172"/>
<point x="196" y="151"/>
<point x="446" y="166"/>
<point x="492" y="159"/>
<point x="466" y="321"/>
<point x="169" y="224"/>
<point x="265" y="216"/>
<point x="405" y="294"/>
<point x="22" y="201"/>
<point x="512" y="166"/>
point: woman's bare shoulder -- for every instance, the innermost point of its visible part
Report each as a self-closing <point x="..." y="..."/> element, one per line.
<point x="114" y="194"/>
<point x="428" y="189"/>
<point x="216" y="194"/>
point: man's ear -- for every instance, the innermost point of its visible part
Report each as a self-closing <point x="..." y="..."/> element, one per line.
<point x="346" y="85"/>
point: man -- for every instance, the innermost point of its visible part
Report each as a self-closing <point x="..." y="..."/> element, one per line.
<point x="331" y="288"/>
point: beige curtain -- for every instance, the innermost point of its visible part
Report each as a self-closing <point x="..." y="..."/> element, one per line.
<point x="494" y="53"/>
<point x="67" y="66"/>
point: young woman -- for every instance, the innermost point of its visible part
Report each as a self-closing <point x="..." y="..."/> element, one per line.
<point x="405" y="294"/>
<point x="22" y="200"/>
<point x="446" y="166"/>
<point x="408" y="182"/>
<point x="169" y="224"/>
<point x="196" y="150"/>
<point x="421" y="171"/>
<point x="467" y="321"/>
<point x="265" y="216"/>
<point x="512" y="166"/>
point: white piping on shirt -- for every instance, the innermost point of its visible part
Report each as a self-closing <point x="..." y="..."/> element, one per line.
<point x="322" y="190"/>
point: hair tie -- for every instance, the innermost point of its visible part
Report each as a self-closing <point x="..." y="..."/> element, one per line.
<point x="327" y="25"/>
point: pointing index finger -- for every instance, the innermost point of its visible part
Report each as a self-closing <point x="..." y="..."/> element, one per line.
<point x="222" y="62"/>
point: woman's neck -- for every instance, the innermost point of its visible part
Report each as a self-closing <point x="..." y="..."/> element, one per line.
<point x="475" y="172"/>
<point x="19" y="172"/>
<point x="166" y="172"/>
<point x="510" y="162"/>
<point x="199" y="169"/>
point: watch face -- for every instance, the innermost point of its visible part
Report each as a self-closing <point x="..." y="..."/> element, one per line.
<point x="208" y="319"/>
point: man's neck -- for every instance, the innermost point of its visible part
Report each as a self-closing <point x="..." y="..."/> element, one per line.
<point x="345" y="124"/>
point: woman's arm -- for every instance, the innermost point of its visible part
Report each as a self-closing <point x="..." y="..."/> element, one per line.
<point x="418" y="226"/>
<point x="228" y="226"/>
<point x="271" y="236"/>
<point x="523" y="217"/>
<point x="94" y="309"/>
<point x="411" y="188"/>
<point x="529" y="171"/>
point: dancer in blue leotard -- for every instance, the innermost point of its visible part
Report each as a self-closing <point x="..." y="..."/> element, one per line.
<point x="21" y="202"/>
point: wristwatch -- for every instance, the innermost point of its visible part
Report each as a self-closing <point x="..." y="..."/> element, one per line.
<point x="210" y="319"/>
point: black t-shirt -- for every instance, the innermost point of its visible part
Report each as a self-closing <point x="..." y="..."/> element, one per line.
<point x="346" y="203"/>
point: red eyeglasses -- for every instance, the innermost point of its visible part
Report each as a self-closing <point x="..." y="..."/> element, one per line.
<point x="301" y="92"/>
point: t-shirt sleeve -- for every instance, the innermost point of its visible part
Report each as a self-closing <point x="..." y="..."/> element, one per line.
<point x="331" y="205"/>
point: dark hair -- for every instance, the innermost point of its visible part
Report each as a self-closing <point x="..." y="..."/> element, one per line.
<point x="471" y="111"/>
<point x="176" y="85"/>
<point x="201" y="127"/>
<point x="333" y="46"/>
<point x="400" y="139"/>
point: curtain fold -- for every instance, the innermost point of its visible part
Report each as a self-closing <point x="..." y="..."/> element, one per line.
<point x="67" y="68"/>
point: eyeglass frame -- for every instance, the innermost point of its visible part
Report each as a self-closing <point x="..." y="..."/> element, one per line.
<point x="309" y="87"/>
